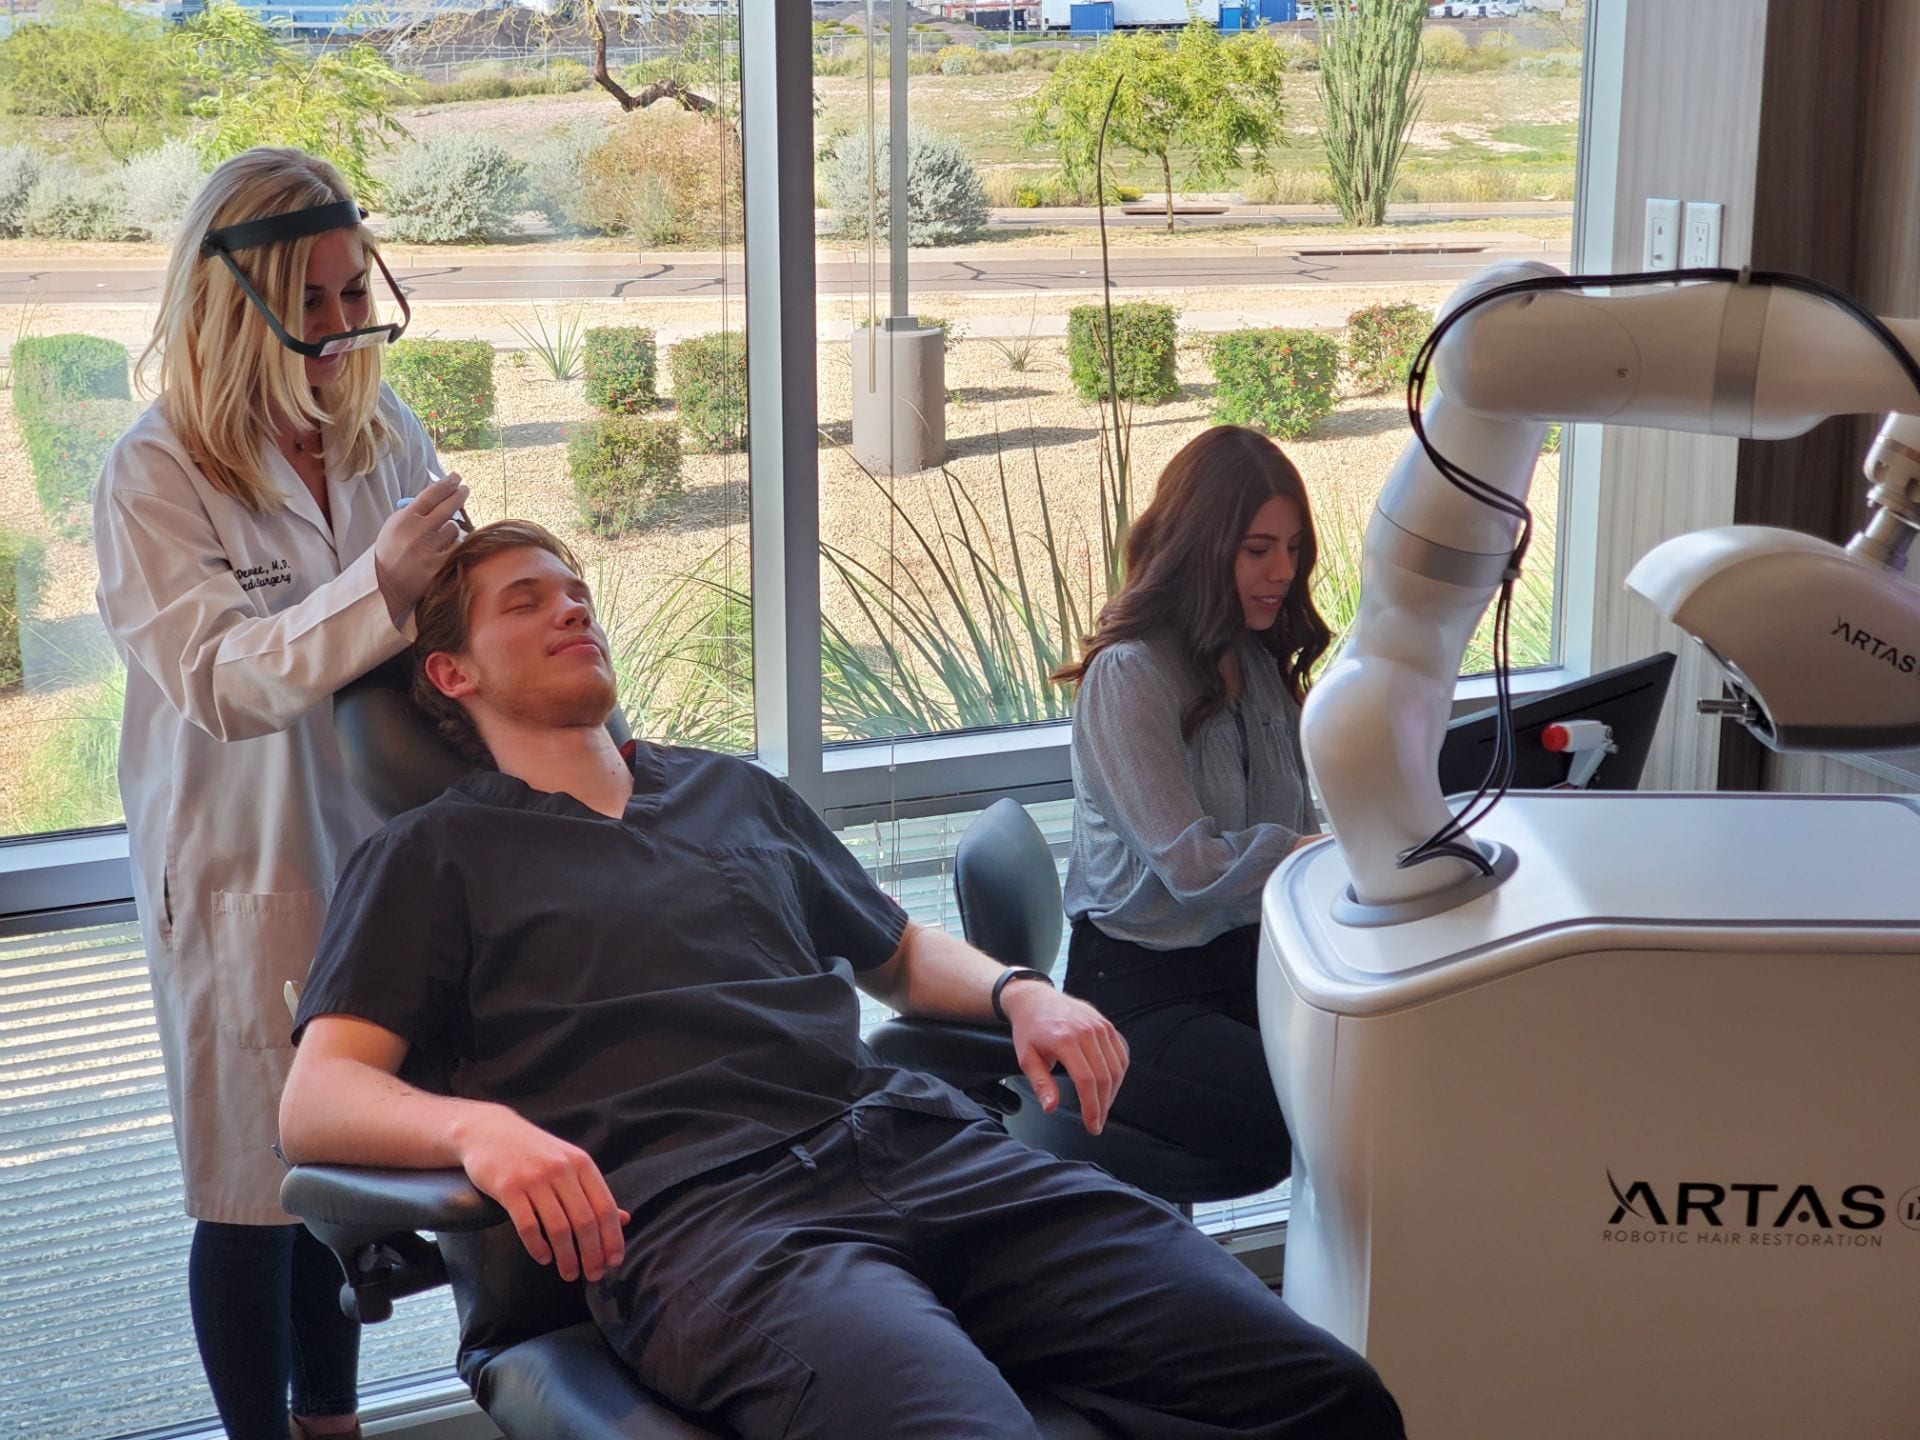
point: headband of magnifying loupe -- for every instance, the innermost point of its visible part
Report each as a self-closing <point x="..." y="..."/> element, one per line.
<point x="296" y="225"/>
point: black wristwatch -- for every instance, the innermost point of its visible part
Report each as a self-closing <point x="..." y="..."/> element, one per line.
<point x="1007" y="977"/>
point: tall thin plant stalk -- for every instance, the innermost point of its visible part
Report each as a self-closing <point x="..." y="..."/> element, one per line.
<point x="1116" y="456"/>
<point x="1370" y="98"/>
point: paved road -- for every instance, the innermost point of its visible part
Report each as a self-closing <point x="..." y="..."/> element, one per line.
<point x="618" y="276"/>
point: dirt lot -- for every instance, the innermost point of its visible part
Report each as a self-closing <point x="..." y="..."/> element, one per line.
<point x="993" y="411"/>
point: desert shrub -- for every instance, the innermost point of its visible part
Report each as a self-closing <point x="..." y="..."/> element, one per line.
<point x="710" y="388"/>
<point x="1442" y="49"/>
<point x="448" y="384"/>
<point x="1382" y="341"/>
<point x="157" y="186"/>
<point x="626" y="470"/>
<point x="1143" y="352"/>
<point x="957" y="60"/>
<point x="19" y="168"/>
<point x="945" y="199"/>
<point x="1279" y="381"/>
<point x="493" y="81"/>
<point x="622" y="367"/>
<point x="1296" y="51"/>
<point x="664" y="177"/>
<point x="20" y="557"/>
<point x="1289" y="187"/>
<point x="454" y="187"/>
<point x="1027" y="188"/>
<point x="1556" y="63"/>
<point x="67" y="205"/>
<point x="70" y="780"/>
<point x="66" y="449"/>
<point x="555" y="171"/>
<point x="70" y="397"/>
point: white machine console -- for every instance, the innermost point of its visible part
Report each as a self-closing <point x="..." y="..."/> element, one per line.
<point x="1629" y="1145"/>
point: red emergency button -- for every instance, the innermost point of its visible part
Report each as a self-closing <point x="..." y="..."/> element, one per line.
<point x="1556" y="738"/>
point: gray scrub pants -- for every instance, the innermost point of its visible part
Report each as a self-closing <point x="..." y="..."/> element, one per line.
<point x="887" y="1276"/>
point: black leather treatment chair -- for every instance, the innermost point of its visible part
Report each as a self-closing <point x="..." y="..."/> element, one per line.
<point x="528" y="1351"/>
<point x="1008" y="890"/>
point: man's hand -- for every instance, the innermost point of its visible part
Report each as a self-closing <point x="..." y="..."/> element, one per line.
<point x="554" y="1193"/>
<point x="1053" y="1029"/>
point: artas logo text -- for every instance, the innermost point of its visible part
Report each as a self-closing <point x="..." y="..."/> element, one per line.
<point x="1750" y="1213"/>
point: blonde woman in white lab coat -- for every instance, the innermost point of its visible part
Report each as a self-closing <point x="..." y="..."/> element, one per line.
<point x="256" y="552"/>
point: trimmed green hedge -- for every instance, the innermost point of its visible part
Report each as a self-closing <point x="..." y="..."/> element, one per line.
<point x="448" y="384"/>
<point x="67" y="449"/>
<point x="1143" y="353"/>
<point x="50" y="370"/>
<point x="1382" y="341"/>
<point x="19" y="569"/>
<point x="1279" y="381"/>
<point x="71" y="398"/>
<point x="626" y="470"/>
<point x="622" y="367"/>
<point x="710" y="388"/>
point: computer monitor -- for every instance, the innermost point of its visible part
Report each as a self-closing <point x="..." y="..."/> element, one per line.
<point x="1627" y="699"/>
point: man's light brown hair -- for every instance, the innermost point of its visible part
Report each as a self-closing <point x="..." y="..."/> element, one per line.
<point x="442" y="620"/>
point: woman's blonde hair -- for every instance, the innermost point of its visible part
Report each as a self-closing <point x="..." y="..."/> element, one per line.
<point x="225" y="383"/>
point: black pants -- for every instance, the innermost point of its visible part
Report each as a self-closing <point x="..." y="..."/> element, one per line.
<point x="266" y="1316"/>
<point x="1197" y="1073"/>
<point x="886" y="1277"/>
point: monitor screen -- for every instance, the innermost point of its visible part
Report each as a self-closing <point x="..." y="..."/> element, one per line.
<point x="1627" y="699"/>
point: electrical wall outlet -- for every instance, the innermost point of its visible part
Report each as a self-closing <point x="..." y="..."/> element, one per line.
<point x="1662" y="248"/>
<point x="1700" y="245"/>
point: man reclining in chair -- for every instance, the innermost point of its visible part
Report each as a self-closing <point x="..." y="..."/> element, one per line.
<point x="635" y="971"/>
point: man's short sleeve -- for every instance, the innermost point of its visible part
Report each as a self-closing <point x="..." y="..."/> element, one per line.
<point x="395" y="948"/>
<point x="847" y="914"/>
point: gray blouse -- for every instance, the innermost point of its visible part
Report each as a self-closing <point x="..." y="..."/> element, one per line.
<point x="1173" y="840"/>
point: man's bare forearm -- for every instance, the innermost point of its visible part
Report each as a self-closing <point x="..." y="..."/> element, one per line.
<point x="344" y="1112"/>
<point x="938" y="976"/>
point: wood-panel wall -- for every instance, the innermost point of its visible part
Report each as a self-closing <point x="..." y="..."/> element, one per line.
<point x="1840" y="200"/>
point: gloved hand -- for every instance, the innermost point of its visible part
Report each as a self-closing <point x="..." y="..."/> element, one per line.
<point x="415" y="543"/>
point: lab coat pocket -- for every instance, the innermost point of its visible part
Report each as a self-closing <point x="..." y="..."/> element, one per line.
<point x="259" y="943"/>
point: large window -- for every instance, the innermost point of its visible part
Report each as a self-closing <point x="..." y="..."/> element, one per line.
<point x="974" y="480"/>
<point x="871" y="607"/>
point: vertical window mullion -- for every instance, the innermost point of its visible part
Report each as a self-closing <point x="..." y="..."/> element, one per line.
<point x="776" y="44"/>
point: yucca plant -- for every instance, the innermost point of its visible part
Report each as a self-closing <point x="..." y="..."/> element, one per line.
<point x="559" y="349"/>
<point x="977" y="642"/>
<point x="683" y="658"/>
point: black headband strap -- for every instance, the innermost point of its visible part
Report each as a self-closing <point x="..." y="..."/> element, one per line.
<point x="294" y="225"/>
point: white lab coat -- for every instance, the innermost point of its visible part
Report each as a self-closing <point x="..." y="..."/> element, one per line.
<point x="236" y="629"/>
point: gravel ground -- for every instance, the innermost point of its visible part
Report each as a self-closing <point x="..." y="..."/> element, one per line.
<point x="1032" y="412"/>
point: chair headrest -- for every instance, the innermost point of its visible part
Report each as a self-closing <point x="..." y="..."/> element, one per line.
<point x="1008" y="888"/>
<point x="393" y="752"/>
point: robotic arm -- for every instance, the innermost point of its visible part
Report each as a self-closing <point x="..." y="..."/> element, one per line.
<point x="1821" y="644"/>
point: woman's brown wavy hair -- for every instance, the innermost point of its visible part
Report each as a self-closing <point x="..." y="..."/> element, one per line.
<point x="1180" y="562"/>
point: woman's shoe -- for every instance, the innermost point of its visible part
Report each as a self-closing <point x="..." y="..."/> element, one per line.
<point x="297" y="1431"/>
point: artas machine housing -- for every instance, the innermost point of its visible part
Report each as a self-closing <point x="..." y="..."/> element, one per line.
<point x="1630" y="1145"/>
<point x="1611" y="1126"/>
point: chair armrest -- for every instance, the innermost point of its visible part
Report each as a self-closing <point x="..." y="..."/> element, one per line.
<point x="368" y="1217"/>
<point x="378" y="1202"/>
<point x="973" y="1058"/>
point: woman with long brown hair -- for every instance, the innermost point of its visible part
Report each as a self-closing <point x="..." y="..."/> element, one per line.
<point x="1190" y="787"/>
